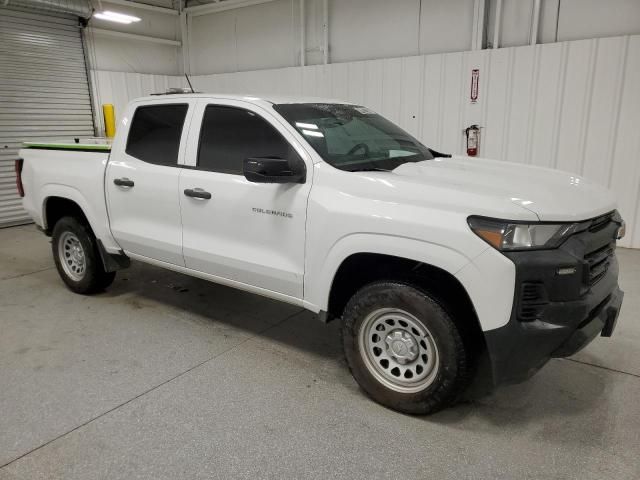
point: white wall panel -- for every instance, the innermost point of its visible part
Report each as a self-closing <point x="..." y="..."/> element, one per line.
<point x="520" y="105"/>
<point x="596" y="18"/>
<point x="314" y="32"/>
<point x="454" y="92"/>
<point x="432" y="102"/>
<point x="356" y="78"/>
<point x="516" y="22"/>
<point x="152" y="23"/>
<point x="118" y="88"/>
<point x="625" y="173"/>
<point x="273" y="21"/>
<point x="445" y="26"/>
<point x="575" y="101"/>
<point x="562" y="20"/>
<point x="366" y="29"/>
<point x="604" y="105"/>
<point x="339" y="80"/>
<point x="267" y="35"/>
<point x="234" y="40"/>
<point x="498" y="79"/>
<point x="391" y="89"/>
<point x="212" y="47"/>
<point x="573" y="105"/>
<point x="133" y="55"/>
<point x="373" y="85"/>
<point x="546" y="98"/>
<point x="411" y="88"/>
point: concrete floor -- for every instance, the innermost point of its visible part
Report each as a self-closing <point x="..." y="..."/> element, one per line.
<point x="165" y="376"/>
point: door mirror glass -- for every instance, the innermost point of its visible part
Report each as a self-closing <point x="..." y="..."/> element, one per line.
<point x="274" y="170"/>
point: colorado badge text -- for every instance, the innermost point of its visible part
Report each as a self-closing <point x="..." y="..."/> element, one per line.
<point x="275" y="213"/>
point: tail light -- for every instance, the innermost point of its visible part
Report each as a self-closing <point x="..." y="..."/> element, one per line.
<point x="19" y="163"/>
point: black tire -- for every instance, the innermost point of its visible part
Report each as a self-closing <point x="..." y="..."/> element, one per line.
<point x="447" y="381"/>
<point x="94" y="278"/>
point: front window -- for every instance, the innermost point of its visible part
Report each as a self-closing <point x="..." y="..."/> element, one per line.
<point x="353" y="138"/>
<point x="229" y="135"/>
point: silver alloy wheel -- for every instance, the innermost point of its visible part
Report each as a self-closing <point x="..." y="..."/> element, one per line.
<point x="72" y="256"/>
<point x="398" y="350"/>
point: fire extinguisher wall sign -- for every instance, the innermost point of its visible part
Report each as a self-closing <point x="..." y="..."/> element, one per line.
<point x="475" y="78"/>
<point x="473" y="140"/>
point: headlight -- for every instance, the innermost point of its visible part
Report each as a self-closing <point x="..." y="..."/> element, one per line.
<point x="506" y="236"/>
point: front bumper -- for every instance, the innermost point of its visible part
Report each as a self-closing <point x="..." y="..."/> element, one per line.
<point x="564" y="298"/>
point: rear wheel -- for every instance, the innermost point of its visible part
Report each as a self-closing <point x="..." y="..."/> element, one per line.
<point x="76" y="256"/>
<point x="403" y="348"/>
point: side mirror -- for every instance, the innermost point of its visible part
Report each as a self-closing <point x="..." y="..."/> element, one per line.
<point x="274" y="170"/>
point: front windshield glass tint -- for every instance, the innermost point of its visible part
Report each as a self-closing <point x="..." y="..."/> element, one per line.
<point x="353" y="138"/>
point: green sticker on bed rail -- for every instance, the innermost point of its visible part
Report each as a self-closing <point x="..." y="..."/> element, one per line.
<point x="69" y="146"/>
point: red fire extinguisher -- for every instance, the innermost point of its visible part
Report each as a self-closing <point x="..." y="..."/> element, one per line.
<point x="473" y="139"/>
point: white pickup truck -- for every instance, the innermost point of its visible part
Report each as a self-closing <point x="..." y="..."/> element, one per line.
<point x="450" y="274"/>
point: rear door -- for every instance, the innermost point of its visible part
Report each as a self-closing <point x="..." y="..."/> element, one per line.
<point x="143" y="177"/>
<point x="248" y="233"/>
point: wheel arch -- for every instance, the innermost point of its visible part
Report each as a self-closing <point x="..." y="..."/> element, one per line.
<point x="59" y="200"/>
<point x="359" y="259"/>
<point x="55" y="207"/>
<point x="71" y="203"/>
<point x="362" y="268"/>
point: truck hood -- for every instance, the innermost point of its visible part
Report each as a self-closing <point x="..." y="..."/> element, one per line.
<point x="552" y="195"/>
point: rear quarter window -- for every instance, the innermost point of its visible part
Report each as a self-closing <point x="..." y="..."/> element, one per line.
<point x="154" y="135"/>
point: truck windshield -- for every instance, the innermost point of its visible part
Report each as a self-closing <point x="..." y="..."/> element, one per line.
<point x="353" y="138"/>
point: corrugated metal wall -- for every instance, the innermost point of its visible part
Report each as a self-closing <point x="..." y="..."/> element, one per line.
<point x="43" y="91"/>
<point x="571" y="105"/>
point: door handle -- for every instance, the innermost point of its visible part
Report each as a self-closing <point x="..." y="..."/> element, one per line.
<point x="197" y="193"/>
<point x="123" y="182"/>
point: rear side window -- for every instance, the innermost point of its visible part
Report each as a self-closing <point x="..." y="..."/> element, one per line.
<point x="154" y="136"/>
<point x="229" y="135"/>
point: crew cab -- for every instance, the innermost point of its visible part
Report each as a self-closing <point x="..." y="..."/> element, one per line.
<point x="450" y="274"/>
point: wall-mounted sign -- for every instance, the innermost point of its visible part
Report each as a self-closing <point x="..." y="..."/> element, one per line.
<point x="475" y="76"/>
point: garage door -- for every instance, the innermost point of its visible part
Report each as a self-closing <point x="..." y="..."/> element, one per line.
<point x="44" y="91"/>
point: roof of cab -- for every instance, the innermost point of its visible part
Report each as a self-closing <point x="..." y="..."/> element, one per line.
<point x="250" y="98"/>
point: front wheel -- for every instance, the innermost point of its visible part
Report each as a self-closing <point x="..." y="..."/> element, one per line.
<point x="76" y="256"/>
<point x="403" y="348"/>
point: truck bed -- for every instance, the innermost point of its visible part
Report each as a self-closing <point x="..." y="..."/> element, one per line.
<point x="70" y="170"/>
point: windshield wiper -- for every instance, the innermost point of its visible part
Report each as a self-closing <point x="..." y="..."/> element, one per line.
<point x="437" y="154"/>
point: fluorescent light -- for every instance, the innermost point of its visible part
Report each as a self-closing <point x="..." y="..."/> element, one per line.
<point x="116" y="17"/>
<point x="311" y="133"/>
<point x="306" y="125"/>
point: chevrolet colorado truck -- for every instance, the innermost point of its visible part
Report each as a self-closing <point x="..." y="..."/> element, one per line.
<point x="449" y="273"/>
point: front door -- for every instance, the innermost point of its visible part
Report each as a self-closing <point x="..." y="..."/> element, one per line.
<point x="249" y="233"/>
<point x="142" y="183"/>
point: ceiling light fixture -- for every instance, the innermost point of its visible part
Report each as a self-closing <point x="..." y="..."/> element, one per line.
<point x="116" y="17"/>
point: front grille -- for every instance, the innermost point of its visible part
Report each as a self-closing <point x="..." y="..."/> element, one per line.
<point x="599" y="236"/>
<point x="601" y="222"/>
<point x="598" y="262"/>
